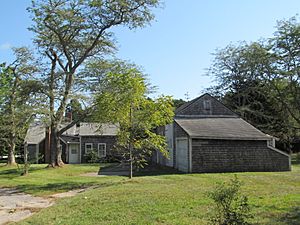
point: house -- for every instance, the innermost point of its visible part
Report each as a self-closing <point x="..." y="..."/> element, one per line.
<point x="75" y="142"/>
<point x="206" y="136"/>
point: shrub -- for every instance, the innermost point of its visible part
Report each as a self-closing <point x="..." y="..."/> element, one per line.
<point x="92" y="157"/>
<point x="230" y="206"/>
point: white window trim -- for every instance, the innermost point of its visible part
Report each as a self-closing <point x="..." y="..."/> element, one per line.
<point x="104" y="149"/>
<point x="85" y="146"/>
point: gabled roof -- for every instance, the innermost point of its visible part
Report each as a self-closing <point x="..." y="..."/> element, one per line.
<point x="35" y="133"/>
<point x="183" y="106"/>
<point x="70" y="139"/>
<point x="221" y="128"/>
<point x="197" y="107"/>
<point x="95" y="129"/>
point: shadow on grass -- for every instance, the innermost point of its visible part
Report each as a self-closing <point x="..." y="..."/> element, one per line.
<point x="61" y="187"/>
<point x="52" y="187"/>
<point x="151" y="170"/>
<point x="290" y="218"/>
<point x="18" y="171"/>
<point x="156" y="170"/>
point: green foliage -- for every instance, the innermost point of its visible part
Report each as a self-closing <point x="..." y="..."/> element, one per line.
<point x="260" y="80"/>
<point x="68" y="33"/>
<point x="92" y="156"/>
<point x="297" y="157"/>
<point x="231" y="207"/>
<point x="76" y="110"/>
<point x="178" y="102"/>
<point x="5" y="82"/>
<point x="18" y="99"/>
<point x="123" y="100"/>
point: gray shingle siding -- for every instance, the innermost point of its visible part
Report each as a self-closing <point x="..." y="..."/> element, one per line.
<point x="236" y="156"/>
<point x="110" y="141"/>
<point x="196" y="107"/>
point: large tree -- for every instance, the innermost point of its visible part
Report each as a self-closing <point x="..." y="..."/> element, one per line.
<point x="123" y="100"/>
<point x="68" y="32"/>
<point x="18" y="89"/>
<point x="282" y="67"/>
<point x="261" y="80"/>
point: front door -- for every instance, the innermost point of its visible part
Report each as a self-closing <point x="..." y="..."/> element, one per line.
<point x="73" y="153"/>
<point x="182" y="161"/>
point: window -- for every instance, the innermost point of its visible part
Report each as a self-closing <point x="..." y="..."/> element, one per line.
<point x="73" y="151"/>
<point x="206" y="105"/>
<point x="102" y="150"/>
<point x="88" y="147"/>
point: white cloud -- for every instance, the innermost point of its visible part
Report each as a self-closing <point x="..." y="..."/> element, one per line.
<point x="5" y="46"/>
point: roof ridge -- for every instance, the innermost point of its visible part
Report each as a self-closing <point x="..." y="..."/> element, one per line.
<point x="183" y="106"/>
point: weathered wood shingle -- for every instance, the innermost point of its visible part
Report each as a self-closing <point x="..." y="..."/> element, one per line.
<point x="221" y="128"/>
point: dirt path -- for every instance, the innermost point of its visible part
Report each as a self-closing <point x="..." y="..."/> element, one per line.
<point x="16" y="206"/>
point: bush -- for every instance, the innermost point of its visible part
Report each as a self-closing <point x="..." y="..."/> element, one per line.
<point x="231" y="207"/>
<point x="92" y="157"/>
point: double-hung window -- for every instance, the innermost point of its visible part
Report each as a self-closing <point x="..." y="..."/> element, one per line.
<point x="102" y="150"/>
<point x="88" y="147"/>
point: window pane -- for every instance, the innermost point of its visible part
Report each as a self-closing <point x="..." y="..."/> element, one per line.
<point x="102" y="149"/>
<point x="88" y="147"/>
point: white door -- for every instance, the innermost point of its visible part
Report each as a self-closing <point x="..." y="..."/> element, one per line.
<point x="169" y="136"/>
<point x="73" y="153"/>
<point x="182" y="154"/>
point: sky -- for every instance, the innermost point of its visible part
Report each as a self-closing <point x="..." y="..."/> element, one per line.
<point x="177" y="49"/>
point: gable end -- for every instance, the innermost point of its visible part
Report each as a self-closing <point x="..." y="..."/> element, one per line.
<point x="205" y="105"/>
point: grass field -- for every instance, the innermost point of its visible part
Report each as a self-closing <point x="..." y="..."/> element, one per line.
<point x="44" y="181"/>
<point x="161" y="199"/>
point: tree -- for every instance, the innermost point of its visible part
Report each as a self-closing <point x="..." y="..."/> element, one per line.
<point x="282" y="67"/>
<point x="74" y="110"/>
<point x="70" y="32"/>
<point x="178" y="102"/>
<point x="16" y="106"/>
<point x="123" y="101"/>
<point x="242" y="84"/>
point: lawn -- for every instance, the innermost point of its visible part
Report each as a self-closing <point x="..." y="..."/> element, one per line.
<point x="43" y="181"/>
<point x="161" y="199"/>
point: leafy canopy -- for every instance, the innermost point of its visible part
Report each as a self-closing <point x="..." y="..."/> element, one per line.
<point x="123" y="100"/>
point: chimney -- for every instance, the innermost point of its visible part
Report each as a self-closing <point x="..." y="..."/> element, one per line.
<point x="68" y="114"/>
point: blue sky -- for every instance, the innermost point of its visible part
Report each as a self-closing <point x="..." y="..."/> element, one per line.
<point x="177" y="48"/>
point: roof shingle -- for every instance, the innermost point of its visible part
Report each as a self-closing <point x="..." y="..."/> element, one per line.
<point x="221" y="128"/>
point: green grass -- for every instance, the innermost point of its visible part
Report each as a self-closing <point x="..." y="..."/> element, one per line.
<point x="160" y="199"/>
<point x="45" y="181"/>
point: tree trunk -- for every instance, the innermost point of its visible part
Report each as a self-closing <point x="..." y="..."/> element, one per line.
<point x="55" y="148"/>
<point x="130" y="139"/>
<point x="130" y="159"/>
<point x="26" y="164"/>
<point x="11" y="160"/>
<point x="59" y="161"/>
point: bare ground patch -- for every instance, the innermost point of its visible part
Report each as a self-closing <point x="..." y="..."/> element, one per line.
<point x="16" y="206"/>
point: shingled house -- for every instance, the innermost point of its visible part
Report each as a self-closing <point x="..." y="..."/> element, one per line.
<point x="75" y="142"/>
<point x="206" y="136"/>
